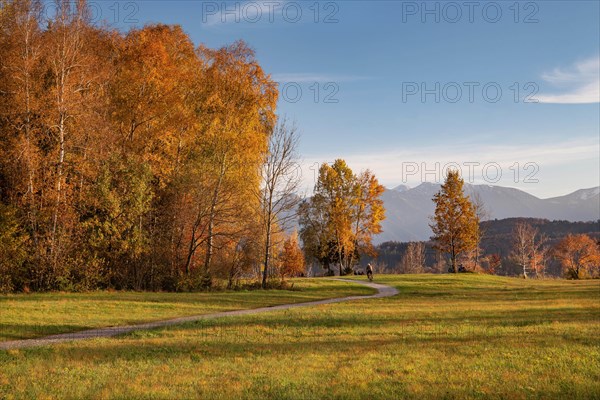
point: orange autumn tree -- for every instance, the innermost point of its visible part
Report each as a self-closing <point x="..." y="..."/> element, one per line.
<point x="336" y="185"/>
<point x="455" y="223"/>
<point x="236" y="113"/>
<point x="54" y="123"/>
<point x="23" y="163"/>
<point x="155" y="77"/>
<point x="151" y="116"/>
<point x="291" y="258"/>
<point x="578" y="255"/>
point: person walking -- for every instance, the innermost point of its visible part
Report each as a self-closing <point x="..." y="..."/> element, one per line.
<point x="370" y="272"/>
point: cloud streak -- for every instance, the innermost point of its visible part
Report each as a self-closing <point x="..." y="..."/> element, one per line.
<point x="388" y="166"/>
<point x="580" y="83"/>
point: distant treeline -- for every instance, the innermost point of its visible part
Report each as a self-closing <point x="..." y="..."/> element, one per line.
<point x="498" y="238"/>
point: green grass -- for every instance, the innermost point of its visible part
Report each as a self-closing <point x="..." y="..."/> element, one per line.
<point x="34" y="315"/>
<point x="466" y="336"/>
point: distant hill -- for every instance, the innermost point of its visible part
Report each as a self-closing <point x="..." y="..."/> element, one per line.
<point x="498" y="238"/>
<point x="408" y="210"/>
<point x="498" y="234"/>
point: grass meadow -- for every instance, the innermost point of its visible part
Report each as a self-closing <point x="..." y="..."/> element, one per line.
<point x="443" y="336"/>
<point x="34" y="315"/>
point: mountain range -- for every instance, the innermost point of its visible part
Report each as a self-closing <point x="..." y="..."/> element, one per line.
<point x="408" y="210"/>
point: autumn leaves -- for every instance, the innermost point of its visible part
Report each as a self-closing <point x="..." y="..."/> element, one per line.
<point x="455" y="224"/>
<point x="340" y="219"/>
<point x="457" y="234"/>
<point x="128" y="160"/>
<point x="140" y="161"/>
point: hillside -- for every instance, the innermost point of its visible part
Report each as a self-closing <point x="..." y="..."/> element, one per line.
<point x="408" y="210"/>
<point x="498" y="239"/>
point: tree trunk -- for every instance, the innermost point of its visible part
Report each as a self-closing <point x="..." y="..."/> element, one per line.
<point x="209" y="245"/>
<point x="453" y="260"/>
<point x="192" y="248"/>
<point x="211" y="220"/>
<point x="59" y="173"/>
<point x="188" y="262"/>
<point x="268" y="221"/>
<point x="267" y="252"/>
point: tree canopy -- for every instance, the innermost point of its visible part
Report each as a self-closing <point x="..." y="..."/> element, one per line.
<point x="339" y="220"/>
<point x="455" y="223"/>
<point x="128" y="160"/>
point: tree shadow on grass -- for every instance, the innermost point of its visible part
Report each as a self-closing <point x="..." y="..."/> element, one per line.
<point x="205" y="347"/>
<point x="32" y="331"/>
<point x="268" y="334"/>
<point x="323" y="320"/>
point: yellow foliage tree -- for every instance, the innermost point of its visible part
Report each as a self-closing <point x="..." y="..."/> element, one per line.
<point x="339" y="221"/>
<point x="455" y="224"/>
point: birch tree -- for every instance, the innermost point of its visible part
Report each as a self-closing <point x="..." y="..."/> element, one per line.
<point x="522" y="238"/>
<point x="413" y="260"/>
<point x="529" y="250"/>
<point x="281" y="179"/>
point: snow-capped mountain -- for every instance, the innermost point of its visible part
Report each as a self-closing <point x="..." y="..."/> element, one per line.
<point x="408" y="210"/>
<point x="401" y="188"/>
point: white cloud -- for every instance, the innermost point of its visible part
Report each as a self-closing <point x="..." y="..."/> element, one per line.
<point x="580" y="83"/>
<point x="390" y="166"/>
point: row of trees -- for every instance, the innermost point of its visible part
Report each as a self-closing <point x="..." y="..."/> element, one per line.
<point x="457" y="233"/>
<point x="577" y="255"/>
<point x="134" y="160"/>
<point x="338" y="221"/>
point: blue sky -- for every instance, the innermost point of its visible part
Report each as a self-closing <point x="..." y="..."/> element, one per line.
<point x="363" y="67"/>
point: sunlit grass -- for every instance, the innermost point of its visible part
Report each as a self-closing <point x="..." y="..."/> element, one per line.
<point x="33" y="315"/>
<point x="466" y="336"/>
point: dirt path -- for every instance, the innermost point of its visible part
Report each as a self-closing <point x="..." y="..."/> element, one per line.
<point x="384" y="291"/>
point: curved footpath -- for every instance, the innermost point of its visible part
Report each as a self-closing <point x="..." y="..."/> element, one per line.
<point x="383" y="291"/>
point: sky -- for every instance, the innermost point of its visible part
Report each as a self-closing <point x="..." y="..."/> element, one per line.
<point x="509" y="92"/>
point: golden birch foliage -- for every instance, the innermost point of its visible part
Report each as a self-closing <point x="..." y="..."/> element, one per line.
<point x="53" y="113"/>
<point x="21" y="134"/>
<point x="236" y="113"/>
<point x="336" y="184"/>
<point x="338" y="222"/>
<point x="369" y="211"/>
<point x="155" y="76"/>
